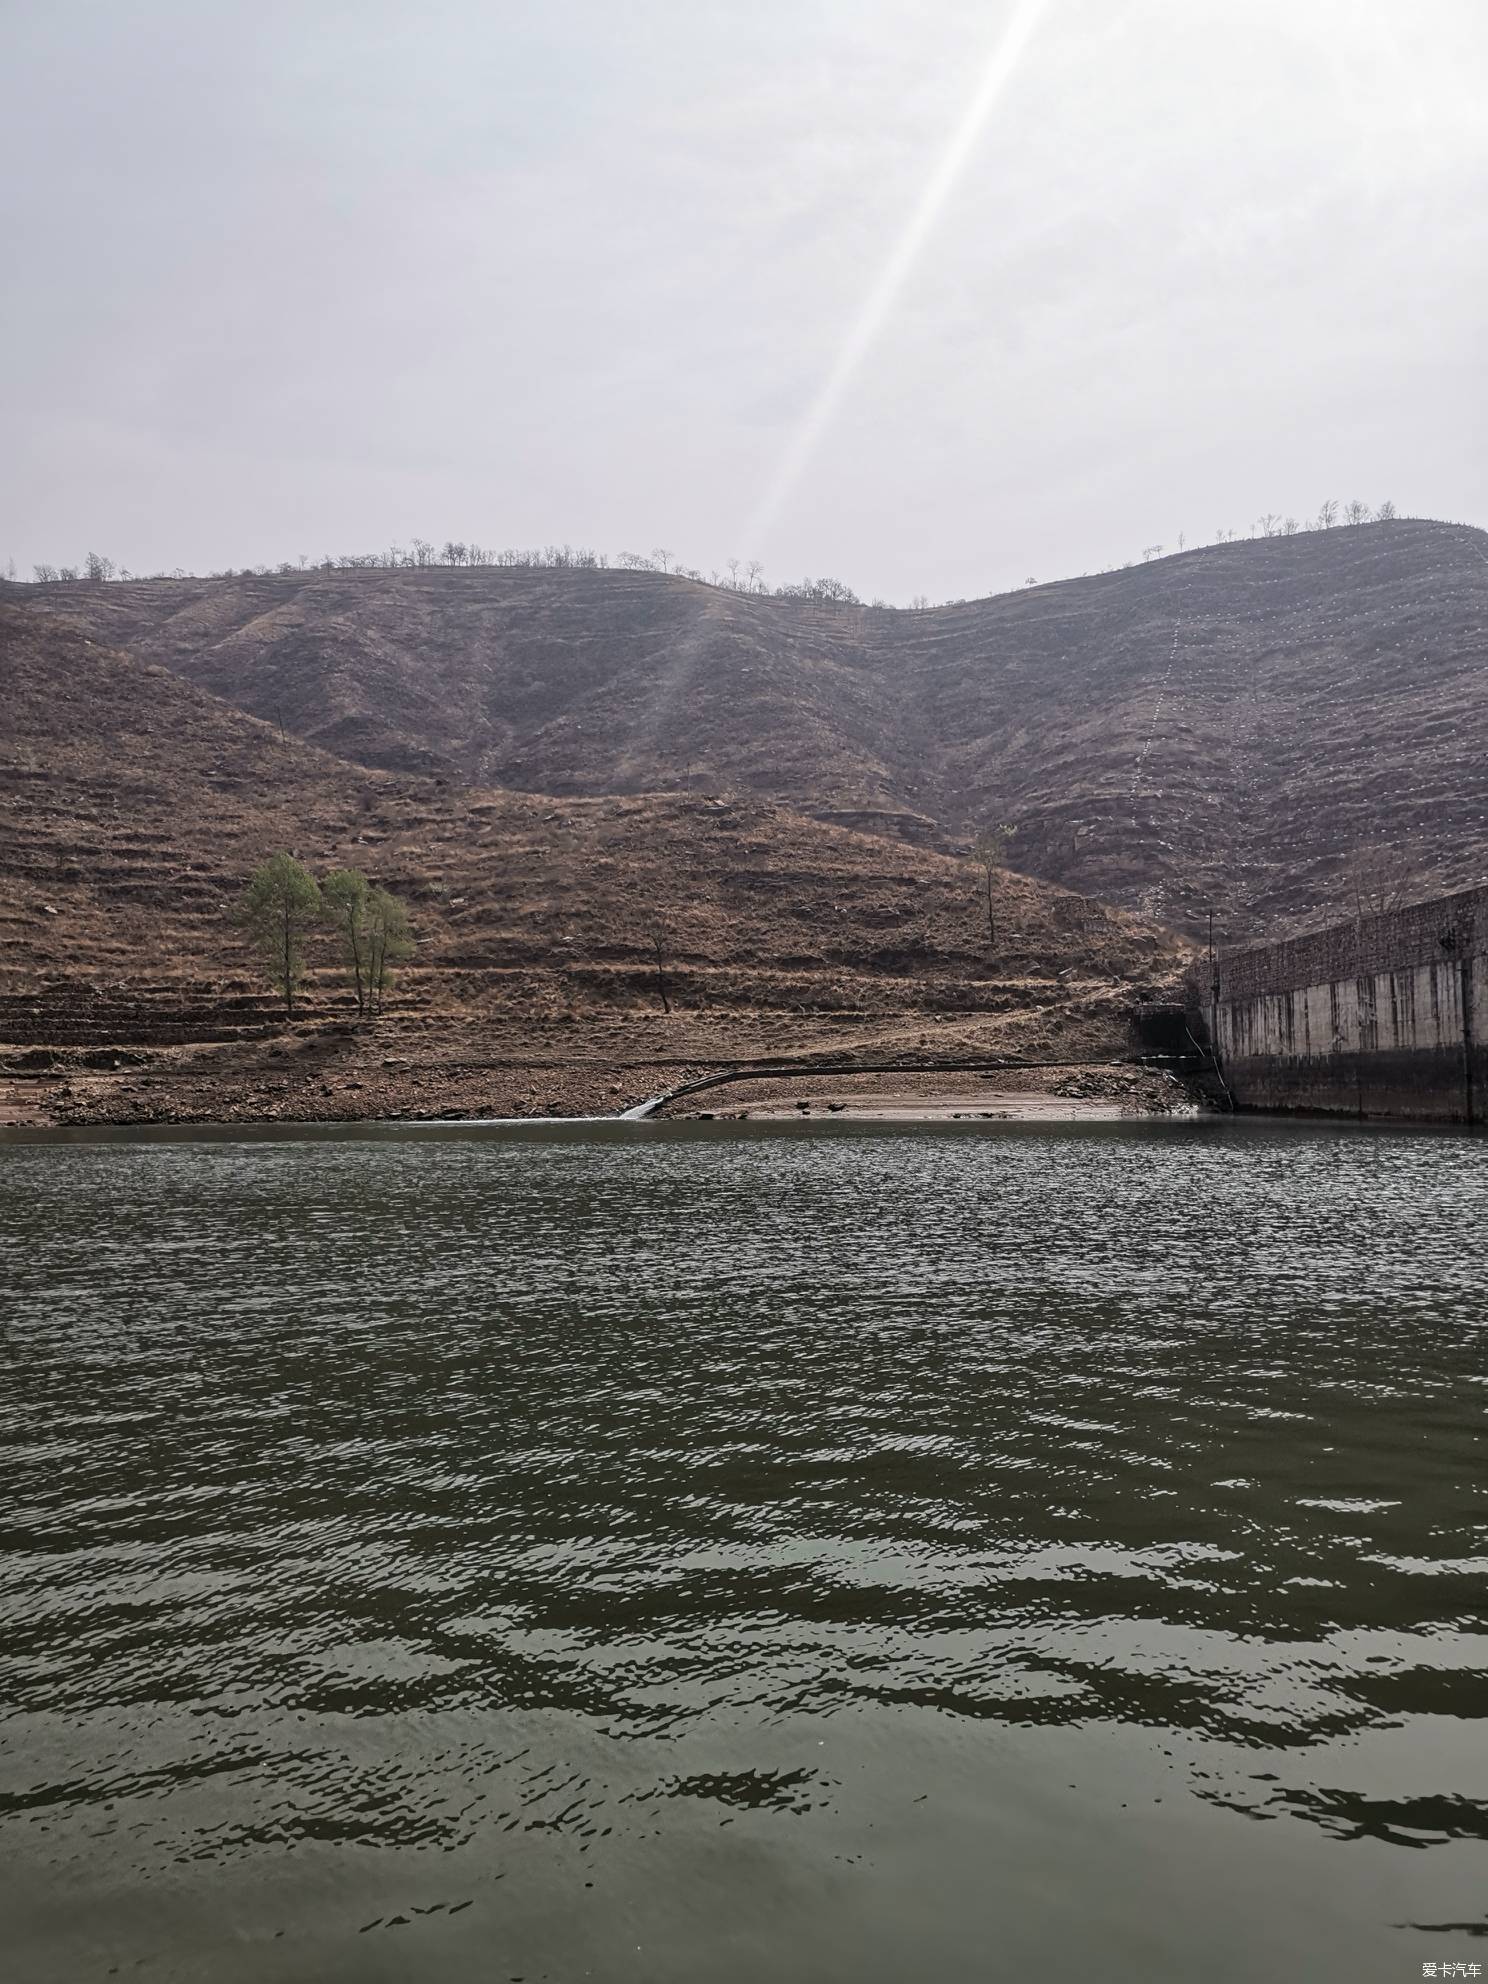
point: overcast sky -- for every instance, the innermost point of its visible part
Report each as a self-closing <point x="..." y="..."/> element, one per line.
<point x="929" y="295"/>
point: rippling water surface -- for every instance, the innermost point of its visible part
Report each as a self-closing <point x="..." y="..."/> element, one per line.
<point x="740" y="1554"/>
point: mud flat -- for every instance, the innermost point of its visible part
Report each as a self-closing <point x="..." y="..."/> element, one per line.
<point x="1034" y="1095"/>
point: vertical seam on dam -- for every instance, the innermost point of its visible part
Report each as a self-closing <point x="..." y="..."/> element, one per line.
<point x="1381" y="1016"/>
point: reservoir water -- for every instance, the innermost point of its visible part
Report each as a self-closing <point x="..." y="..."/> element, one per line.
<point x="730" y="1553"/>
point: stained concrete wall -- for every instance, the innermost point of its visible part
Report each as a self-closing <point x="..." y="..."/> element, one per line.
<point x="1383" y="1016"/>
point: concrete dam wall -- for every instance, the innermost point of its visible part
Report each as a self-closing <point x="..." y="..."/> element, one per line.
<point x="1383" y="1016"/>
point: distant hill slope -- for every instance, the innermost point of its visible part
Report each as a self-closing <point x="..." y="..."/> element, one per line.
<point x="1230" y="725"/>
<point x="133" y="805"/>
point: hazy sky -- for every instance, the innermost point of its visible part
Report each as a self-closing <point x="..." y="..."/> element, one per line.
<point x="929" y="295"/>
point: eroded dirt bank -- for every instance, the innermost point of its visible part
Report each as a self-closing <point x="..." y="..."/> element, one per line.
<point x="582" y="1064"/>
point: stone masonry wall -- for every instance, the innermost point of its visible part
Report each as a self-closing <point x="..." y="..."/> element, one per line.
<point x="1383" y="1016"/>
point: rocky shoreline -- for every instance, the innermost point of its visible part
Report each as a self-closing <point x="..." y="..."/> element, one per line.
<point x="597" y="1066"/>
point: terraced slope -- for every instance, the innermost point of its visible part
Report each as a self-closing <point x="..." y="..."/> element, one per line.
<point x="1232" y="725"/>
<point x="133" y="805"/>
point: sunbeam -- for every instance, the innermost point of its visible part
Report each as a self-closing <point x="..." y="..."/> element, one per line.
<point x="886" y="285"/>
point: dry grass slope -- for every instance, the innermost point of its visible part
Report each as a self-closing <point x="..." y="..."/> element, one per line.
<point x="1229" y="725"/>
<point x="133" y="804"/>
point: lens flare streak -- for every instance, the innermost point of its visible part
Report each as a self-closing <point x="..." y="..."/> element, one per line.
<point x="883" y="292"/>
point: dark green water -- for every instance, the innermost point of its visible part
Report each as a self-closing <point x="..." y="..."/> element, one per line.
<point x="740" y="1554"/>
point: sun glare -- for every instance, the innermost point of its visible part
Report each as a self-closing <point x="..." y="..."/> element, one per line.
<point x="883" y="291"/>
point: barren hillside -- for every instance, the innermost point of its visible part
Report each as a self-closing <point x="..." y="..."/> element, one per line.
<point x="133" y="805"/>
<point x="1230" y="725"/>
